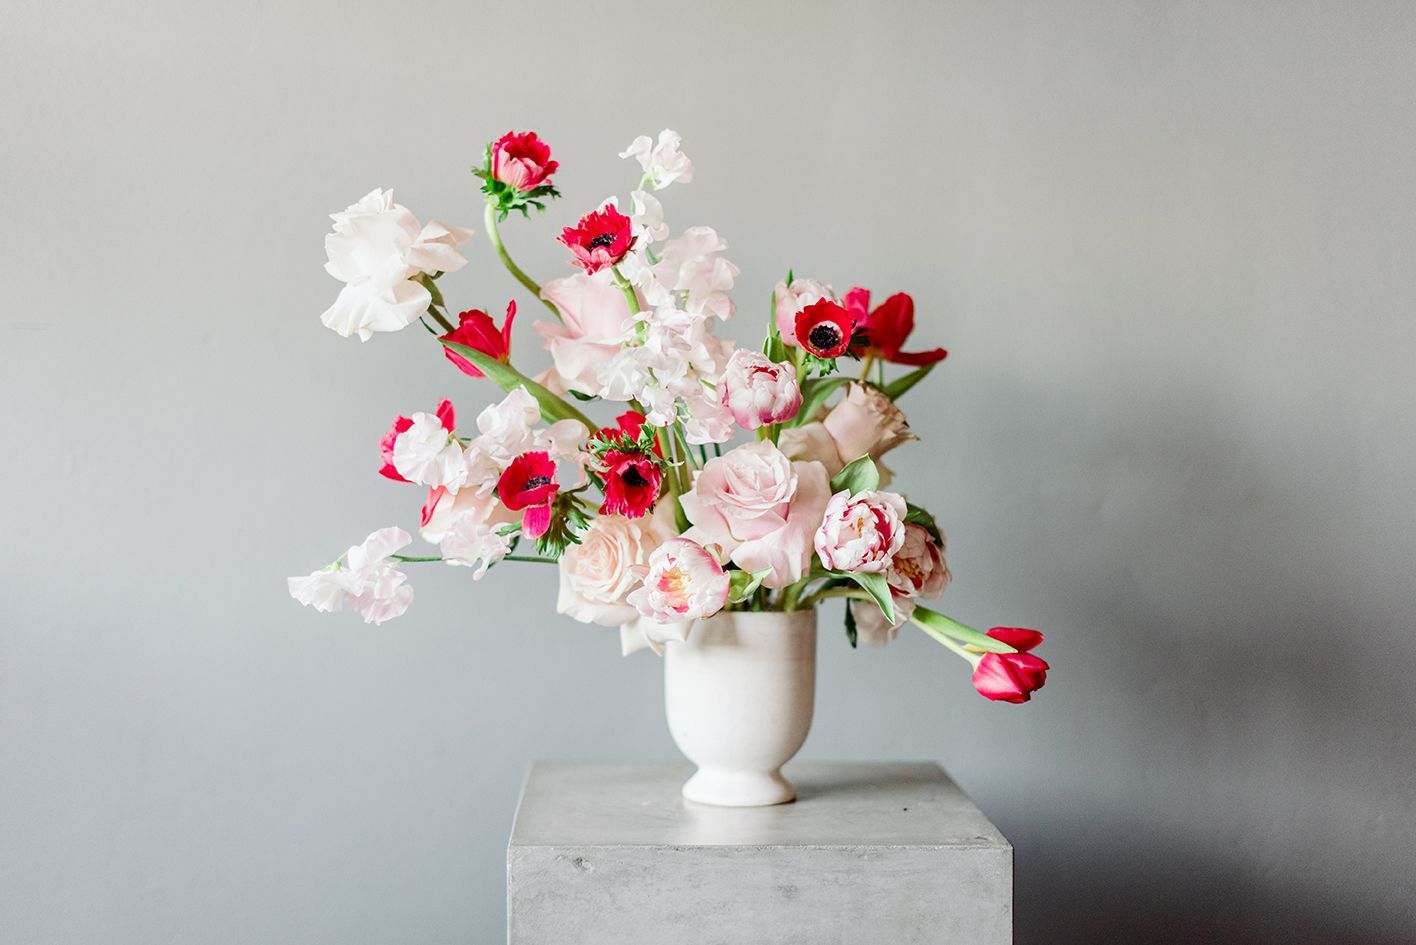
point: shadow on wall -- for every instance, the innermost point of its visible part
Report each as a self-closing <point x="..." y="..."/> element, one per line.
<point x="1241" y="767"/>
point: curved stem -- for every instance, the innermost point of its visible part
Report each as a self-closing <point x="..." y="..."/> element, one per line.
<point x="490" y="216"/>
<point x="628" y="290"/>
<point x="847" y="592"/>
<point x="973" y="658"/>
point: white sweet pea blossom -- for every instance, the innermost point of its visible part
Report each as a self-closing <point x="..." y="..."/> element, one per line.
<point x="663" y="163"/>
<point x="472" y="543"/>
<point x="689" y="274"/>
<point x="363" y="577"/>
<point x="428" y="453"/>
<point x="507" y="430"/>
<point x="376" y="249"/>
<point x="648" y="217"/>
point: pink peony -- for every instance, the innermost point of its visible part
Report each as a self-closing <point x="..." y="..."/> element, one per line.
<point x="757" y="391"/>
<point x="760" y="508"/>
<point x="682" y="582"/>
<point x="861" y="532"/>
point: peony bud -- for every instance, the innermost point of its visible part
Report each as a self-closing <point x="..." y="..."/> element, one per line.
<point x="757" y="391"/>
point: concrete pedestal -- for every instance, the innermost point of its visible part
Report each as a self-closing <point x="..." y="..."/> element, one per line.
<point x="878" y="853"/>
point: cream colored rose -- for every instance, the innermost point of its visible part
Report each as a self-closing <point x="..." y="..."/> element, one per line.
<point x="864" y="422"/>
<point x="597" y="575"/>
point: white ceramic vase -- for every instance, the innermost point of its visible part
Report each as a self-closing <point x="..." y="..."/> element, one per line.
<point x="739" y="694"/>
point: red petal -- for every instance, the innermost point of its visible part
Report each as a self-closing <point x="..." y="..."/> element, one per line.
<point x="919" y="358"/>
<point x="506" y="329"/>
<point x="535" y="521"/>
<point x="1019" y="638"/>
<point x="446" y="414"/>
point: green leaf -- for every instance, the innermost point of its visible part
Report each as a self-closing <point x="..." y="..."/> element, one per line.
<point x="773" y="347"/>
<point x="879" y="589"/>
<point x="920" y="516"/>
<point x="508" y="379"/>
<point x="814" y="394"/>
<point x="743" y="584"/>
<point x="581" y="396"/>
<point x="860" y="475"/>
<point x="851" y="633"/>
<point x="899" y="385"/>
<point x="936" y="624"/>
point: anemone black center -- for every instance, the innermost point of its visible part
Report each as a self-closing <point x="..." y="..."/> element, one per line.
<point x="604" y="239"/>
<point x="633" y="477"/>
<point x="536" y="482"/>
<point x="824" y="336"/>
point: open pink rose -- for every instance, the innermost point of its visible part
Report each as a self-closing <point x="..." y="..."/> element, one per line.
<point x="864" y="423"/>
<point x="760" y="508"/>
<point x="682" y="582"/>
<point x="594" y="314"/>
<point x="860" y="533"/>
<point x="757" y="391"/>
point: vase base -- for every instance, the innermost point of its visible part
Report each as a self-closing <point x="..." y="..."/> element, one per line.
<point x="738" y="788"/>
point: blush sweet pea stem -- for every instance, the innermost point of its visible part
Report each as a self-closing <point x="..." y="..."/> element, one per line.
<point x="493" y="234"/>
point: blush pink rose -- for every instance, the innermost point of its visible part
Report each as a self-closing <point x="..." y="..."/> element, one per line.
<point x="598" y="574"/>
<point x="760" y="508"/>
<point x="864" y="423"/>
<point x="594" y="315"/>
<point x="758" y="391"/>
<point x="682" y="582"/>
<point x="860" y="533"/>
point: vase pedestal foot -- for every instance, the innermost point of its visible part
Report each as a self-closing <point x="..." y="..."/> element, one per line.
<point x="738" y="788"/>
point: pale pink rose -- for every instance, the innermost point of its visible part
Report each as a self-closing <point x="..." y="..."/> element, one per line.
<point x="757" y="391"/>
<point x="682" y="582"/>
<point x="760" y="508"/>
<point x="594" y="322"/>
<point x="864" y="423"/>
<point x="918" y="568"/>
<point x="597" y="575"/>
<point x="860" y="533"/>
<point x="872" y="628"/>
<point x="789" y="300"/>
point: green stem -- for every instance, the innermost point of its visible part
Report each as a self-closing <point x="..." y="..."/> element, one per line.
<point x="532" y="558"/>
<point x="943" y="638"/>
<point x="413" y="559"/>
<point x="629" y="294"/>
<point x="490" y="216"/>
<point x="849" y="593"/>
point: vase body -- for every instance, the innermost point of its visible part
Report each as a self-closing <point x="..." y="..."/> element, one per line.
<point x="739" y="694"/>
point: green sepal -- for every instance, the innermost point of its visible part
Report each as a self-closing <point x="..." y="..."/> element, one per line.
<point x="859" y="475"/>
<point x="742" y="584"/>
<point x="920" y="516"/>
<point x="568" y="521"/>
<point x="774" y="349"/>
<point x="508" y="379"/>
<point x="899" y="385"/>
<point x="937" y="624"/>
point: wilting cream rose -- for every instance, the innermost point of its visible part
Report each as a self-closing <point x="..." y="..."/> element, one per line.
<point x="596" y="576"/>
<point x="865" y="422"/>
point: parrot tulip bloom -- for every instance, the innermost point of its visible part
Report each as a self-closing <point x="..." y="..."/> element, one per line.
<point x="529" y="486"/>
<point x="824" y="328"/>
<point x="600" y="240"/>
<point x="475" y="329"/>
<point x="888" y="326"/>
<point x="1011" y="677"/>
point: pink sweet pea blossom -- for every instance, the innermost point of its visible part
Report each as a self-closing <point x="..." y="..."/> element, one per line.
<point x="860" y="533"/>
<point x="682" y="582"/>
<point x="445" y="416"/>
<point x="760" y="508"/>
<point x="426" y="452"/>
<point x="757" y="391"/>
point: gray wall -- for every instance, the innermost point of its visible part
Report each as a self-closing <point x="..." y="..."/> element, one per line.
<point x="1170" y="246"/>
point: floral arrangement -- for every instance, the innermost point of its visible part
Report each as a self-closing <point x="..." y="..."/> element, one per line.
<point x="653" y="521"/>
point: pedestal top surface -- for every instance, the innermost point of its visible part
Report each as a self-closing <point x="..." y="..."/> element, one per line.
<point x="839" y="804"/>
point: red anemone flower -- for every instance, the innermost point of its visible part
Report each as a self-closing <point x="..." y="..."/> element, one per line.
<point x="1011" y="677"/>
<point x="632" y="482"/>
<point x="628" y="424"/>
<point x="522" y="161"/>
<point x="599" y="240"/>
<point x="475" y="329"/>
<point x="529" y="486"/>
<point x="887" y="328"/>
<point x="444" y="413"/>
<point x="824" y="328"/>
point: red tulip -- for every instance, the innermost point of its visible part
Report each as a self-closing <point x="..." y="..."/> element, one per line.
<point x="529" y="486"/>
<point x="887" y="328"/>
<point x="1011" y="677"/>
<point x="444" y="412"/>
<point x="475" y="329"/>
<point x="600" y="240"/>
<point x="522" y="161"/>
<point x="824" y="328"/>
